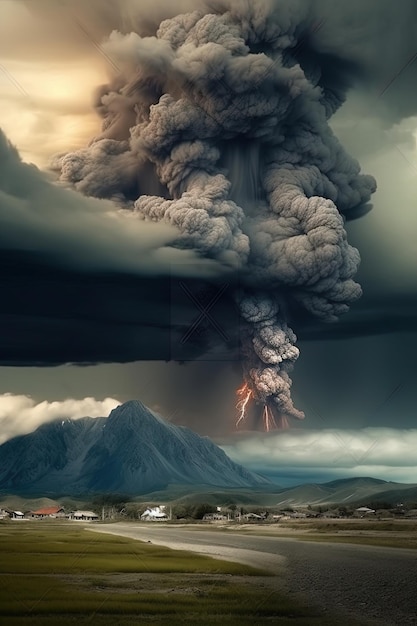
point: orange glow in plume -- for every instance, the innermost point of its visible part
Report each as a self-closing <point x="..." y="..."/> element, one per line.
<point x="245" y="395"/>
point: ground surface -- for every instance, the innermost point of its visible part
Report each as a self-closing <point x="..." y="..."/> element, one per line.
<point x="375" y="585"/>
<point x="58" y="573"/>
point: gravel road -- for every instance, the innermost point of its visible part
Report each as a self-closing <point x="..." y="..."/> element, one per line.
<point x="377" y="585"/>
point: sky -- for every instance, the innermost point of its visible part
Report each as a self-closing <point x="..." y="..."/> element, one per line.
<point x="99" y="307"/>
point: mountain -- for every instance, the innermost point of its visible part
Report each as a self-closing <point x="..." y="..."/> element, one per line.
<point x="133" y="451"/>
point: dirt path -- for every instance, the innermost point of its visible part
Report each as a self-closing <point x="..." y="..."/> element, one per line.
<point x="370" y="583"/>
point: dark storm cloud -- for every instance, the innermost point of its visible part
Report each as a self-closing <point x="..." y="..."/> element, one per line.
<point x="45" y="219"/>
<point x="51" y="314"/>
<point x="373" y="316"/>
<point x="80" y="282"/>
<point x="378" y="38"/>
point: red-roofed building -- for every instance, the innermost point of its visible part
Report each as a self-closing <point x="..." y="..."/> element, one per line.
<point x="50" y="511"/>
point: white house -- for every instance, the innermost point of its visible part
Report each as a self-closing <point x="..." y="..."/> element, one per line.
<point x="83" y="516"/>
<point x="364" y="510"/>
<point x="208" y="517"/>
<point x="252" y="517"/>
<point x="154" y="514"/>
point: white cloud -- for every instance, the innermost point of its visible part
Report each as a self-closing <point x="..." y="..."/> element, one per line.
<point x="386" y="453"/>
<point x="20" y="414"/>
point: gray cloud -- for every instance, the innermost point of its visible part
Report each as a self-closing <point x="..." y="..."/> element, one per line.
<point x="378" y="37"/>
<point x="82" y="282"/>
<point x="38" y="216"/>
<point x="329" y="453"/>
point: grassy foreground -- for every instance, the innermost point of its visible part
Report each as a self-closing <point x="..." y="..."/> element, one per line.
<point x="66" y="575"/>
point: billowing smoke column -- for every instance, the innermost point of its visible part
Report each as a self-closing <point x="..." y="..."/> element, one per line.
<point x="218" y="124"/>
<point x="270" y="353"/>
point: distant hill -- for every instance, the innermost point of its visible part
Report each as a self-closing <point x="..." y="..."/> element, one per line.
<point x="399" y="493"/>
<point x="133" y="451"/>
<point x="346" y="491"/>
<point x="17" y="503"/>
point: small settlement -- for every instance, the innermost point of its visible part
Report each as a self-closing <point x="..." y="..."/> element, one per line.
<point x="206" y="513"/>
<point x="51" y="512"/>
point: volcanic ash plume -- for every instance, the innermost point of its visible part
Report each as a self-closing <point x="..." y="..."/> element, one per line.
<point x="270" y="354"/>
<point x="218" y="125"/>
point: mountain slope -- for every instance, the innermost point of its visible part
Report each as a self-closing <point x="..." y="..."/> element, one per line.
<point x="346" y="491"/>
<point x="132" y="451"/>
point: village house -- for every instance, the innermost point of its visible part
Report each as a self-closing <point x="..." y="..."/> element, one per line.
<point x="154" y="514"/>
<point x="50" y="511"/>
<point x="83" y="516"/>
<point x="216" y="517"/>
<point x="252" y="517"/>
<point x="4" y="514"/>
<point x="364" y="510"/>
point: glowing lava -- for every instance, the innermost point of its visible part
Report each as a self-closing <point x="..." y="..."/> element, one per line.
<point x="244" y="394"/>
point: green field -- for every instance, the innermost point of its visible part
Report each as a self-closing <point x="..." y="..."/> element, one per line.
<point x="65" y="575"/>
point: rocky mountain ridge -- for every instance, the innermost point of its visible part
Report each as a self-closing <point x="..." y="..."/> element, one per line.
<point x="133" y="451"/>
